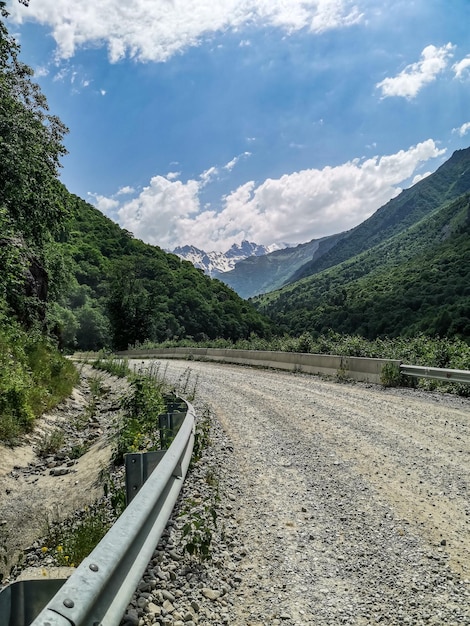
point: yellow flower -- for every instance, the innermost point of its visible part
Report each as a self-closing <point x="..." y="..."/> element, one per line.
<point x="60" y="549"/>
<point x="44" y="549"/>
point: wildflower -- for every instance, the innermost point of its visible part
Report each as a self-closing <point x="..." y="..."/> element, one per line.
<point x="44" y="549"/>
<point x="60" y="549"/>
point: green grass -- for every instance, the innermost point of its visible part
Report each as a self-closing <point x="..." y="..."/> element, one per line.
<point x="70" y="542"/>
<point x="34" y="377"/>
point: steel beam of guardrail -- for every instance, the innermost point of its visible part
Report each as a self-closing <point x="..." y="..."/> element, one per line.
<point x="99" y="591"/>
<point x="438" y="373"/>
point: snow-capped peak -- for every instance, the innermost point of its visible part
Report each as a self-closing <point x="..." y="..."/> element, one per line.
<point x="213" y="263"/>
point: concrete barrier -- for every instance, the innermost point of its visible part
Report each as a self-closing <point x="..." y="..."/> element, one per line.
<point x="357" y="368"/>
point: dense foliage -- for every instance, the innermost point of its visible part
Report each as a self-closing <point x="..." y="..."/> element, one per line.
<point x="33" y="375"/>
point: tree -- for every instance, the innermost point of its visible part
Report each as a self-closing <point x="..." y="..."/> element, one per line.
<point x="30" y="148"/>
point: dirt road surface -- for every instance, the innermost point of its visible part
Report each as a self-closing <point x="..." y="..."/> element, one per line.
<point x="352" y="500"/>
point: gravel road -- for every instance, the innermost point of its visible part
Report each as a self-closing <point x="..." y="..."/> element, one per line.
<point x="344" y="503"/>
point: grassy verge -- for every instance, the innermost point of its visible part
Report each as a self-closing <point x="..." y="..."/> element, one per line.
<point x="34" y="377"/>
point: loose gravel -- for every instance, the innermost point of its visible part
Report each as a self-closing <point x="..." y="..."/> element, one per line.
<point x="338" y="503"/>
<point x="335" y="503"/>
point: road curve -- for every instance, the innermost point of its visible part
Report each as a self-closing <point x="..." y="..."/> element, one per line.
<point x="353" y="500"/>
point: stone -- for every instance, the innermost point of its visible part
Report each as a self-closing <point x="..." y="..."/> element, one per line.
<point x="167" y="595"/>
<point x="168" y="606"/>
<point x="210" y="594"/>
<point x="153" y="609"/>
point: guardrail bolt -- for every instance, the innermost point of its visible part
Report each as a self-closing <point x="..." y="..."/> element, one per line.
<point x="69" y="603"/>
<point x="94" y="567"/>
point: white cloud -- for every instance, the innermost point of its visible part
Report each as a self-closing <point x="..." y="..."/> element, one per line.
<point x="104" y="204"/>
<point x="462" y="68"/>
<point x="155" y="214"/>
<point x="412" y="79"/>
<point x="420" y="177"/>
<point x="173" y="175"/>
<point x="208" y="175"/>
<point x="157" y="29"/>
<point x="296" y="207"/>
<point x="124" y="191"/>
<point x="462" y="130"/>
<point x="41" y="71"/>
<point x="231" y="164"/>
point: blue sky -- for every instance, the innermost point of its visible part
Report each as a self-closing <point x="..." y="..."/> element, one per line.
<point x="205" y="123"/>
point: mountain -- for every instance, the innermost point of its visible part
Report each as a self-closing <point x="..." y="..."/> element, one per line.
<point x="414" y="279"/>
<point x="260" y="274"/>
<point x="215" y="263"/>
<point x="448" y="182"/>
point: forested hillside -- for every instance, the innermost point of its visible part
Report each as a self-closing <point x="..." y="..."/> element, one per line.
<point x="448" y="182"/>
<point x="71" y="278"/>
<point x="122" y="291"/>
<point x="416" y="281"/>
<point x="262" y="274"/>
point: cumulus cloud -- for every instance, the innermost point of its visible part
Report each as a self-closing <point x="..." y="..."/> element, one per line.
<point x="296" y="207"/>
<point x="104" y="204"/>
<point x="409" y="82"/>
<point x="155" y="214"/>
<point x="124" y="191"/>
<point x="462" y="68"/>
<point x="462" y="130"/>
<point x="420" y="177"/>
<point x="154" y="30"/>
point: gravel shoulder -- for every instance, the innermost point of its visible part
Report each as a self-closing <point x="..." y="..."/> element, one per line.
<point x="344" y="503"/>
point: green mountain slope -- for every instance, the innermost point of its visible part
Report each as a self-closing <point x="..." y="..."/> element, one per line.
<point x="448" y="182"/>
<point x="416" y="281"/>
<point x="122" y="291"/>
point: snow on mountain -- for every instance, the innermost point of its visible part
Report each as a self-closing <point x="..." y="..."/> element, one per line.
<point x="214" y="263"/>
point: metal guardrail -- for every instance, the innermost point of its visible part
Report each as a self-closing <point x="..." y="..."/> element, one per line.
<point x="99" y="591"/>
<point x="438" y="373"/>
